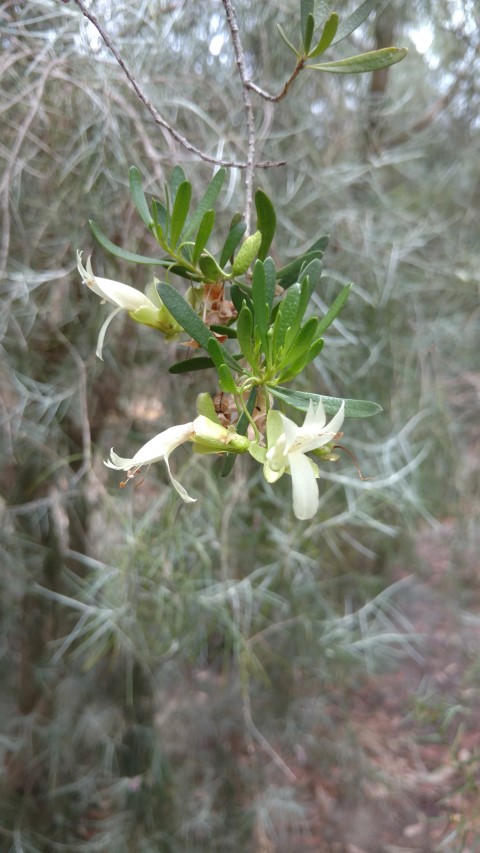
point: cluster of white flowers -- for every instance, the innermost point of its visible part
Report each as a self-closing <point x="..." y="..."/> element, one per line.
<point x="286" y="443"/>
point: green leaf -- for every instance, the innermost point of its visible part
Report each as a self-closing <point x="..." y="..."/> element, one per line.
<point x="287" y="41"/>
<point x="306" y="9"/>
<point x="308" y="36"/>
<point x="207" y="202"/>
<point x="223" y="330"/>
<point x="300" y="400"/>
<point x="123" y="253"/>
<point x="301" y="342"/>
<point x="289" y="274"/>
<point x="300" y="363"/>
<point x="292" y="332"/>
<point x="238" y="297"/>
<point x="160" y="221"/>
<point x="372" y="61"/>
<point x="210" y="268"/>
<point x="188" y="365"/>
<point x="246" y="254"/>
<point x="203" y="234"/>
<point x="285" y="318"/>
<point x="329" y="32"/>
<point x="185" y="315"/>
<point x="313" y="271"/>
<point x="270" y="284"/>
<point x="177" y="178"/>
<point x="350" y="24"/>
<point x="226" y="380"/>
<point x="242" y="427"/>
<point x="245" y="336"/>
<point x="206" y="407"/>
<point x="237" y="230"/>
<point x="266" y="222"/>
<point x="138" y="196"/>
<point x="334" y="309"/>
<point x="259" y="299"/>
<point x="180" y="212"/>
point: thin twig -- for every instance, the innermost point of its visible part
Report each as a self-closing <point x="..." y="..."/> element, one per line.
<point x="250" y="121"/>
<point x="230" y="164"/>
<point x="276" y="98"/>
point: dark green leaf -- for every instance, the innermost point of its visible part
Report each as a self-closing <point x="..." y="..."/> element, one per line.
<point x="288" y="275"/>
<point x="180" y="212"/>
<point x="307" y="41"/>
<point x="335" y="309"/>
<point x="138" y="196"/>
<point x="207" y="202"/>
<point x="314" y="272"/>
<point x="160" y="221"/>
<point x="226" y="380"/>
<point x="270" y="284"/>
<point x="238" y="297"/>
<point x="266" y="222"/>
<point x="329" y="32"/>
<point x="259" y="300"/>
<point x="188" y="365"/>
<point x="350" y="24"/>
<point x="285" y="318"/>
<point x="372" y="61"/>
<point x="229" y="331"/>
<point x="245" y="335"/>
<point x="203" y="234"/>
<point x="233" y="239"/>
<point x="242" y="427"/>
<point x="306" y="10"/>
<point x="300" y="344"/>
<point x="300" y="400"/>
<point x="185" y="315"/>
<point x="123" y="253"/>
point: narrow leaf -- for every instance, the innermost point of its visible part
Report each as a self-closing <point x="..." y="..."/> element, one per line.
<point x="226" y="380"/>
<point x="259" y="300"/>
<point x="287" y="41"/>
<point x="177" y="178"/>
<point x="300" y="400"/>
<point x="270" y="284"/>
<point x="123" y="253"/>
<point x="245" y="335"/>
<point x="289" y="274"/>
<point x="207" y="202"/>
<point x="138" y="196"/>
<point x="185" y="315"/>
<point x="238" y="297"/>
<point x="200" y="362"/>
<point x="160" y="221"/>
<point x="234" y="236"/>
<point x="300" y="363"/>
<point x="372" y="61"/>
<point x="306" y="9"/>
<point x="180" y="212"/>
<point x="350" y="24"/>
<point x="329" y="31"/>
<point x="266" y="222"/>
<point x="334" y="309"/>
<point x="285" y="318"/>
<point x="203" y="234"/>
<point x="308" y="35"/>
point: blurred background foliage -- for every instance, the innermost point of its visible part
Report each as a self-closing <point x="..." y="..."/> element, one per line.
<point x="164" y="666"/>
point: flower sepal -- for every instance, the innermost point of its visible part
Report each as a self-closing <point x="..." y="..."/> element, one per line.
<point x="211" y="437"/>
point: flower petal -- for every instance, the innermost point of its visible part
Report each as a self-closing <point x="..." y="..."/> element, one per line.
<point x="176" y="485"/>
<point x="304" y="484"/>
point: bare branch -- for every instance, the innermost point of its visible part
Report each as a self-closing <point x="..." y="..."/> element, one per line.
<point x="250" y="122"/>
<point x="276" y="98"/>
<point x="230" y="164"/>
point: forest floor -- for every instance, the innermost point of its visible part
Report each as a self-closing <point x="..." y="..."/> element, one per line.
<point x="416" y="727"/>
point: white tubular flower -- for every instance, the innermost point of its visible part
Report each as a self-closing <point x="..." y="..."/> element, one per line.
<point x="157" y="449"/>
<point x="121" y="295"/>
<point x="288" y="444"/>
